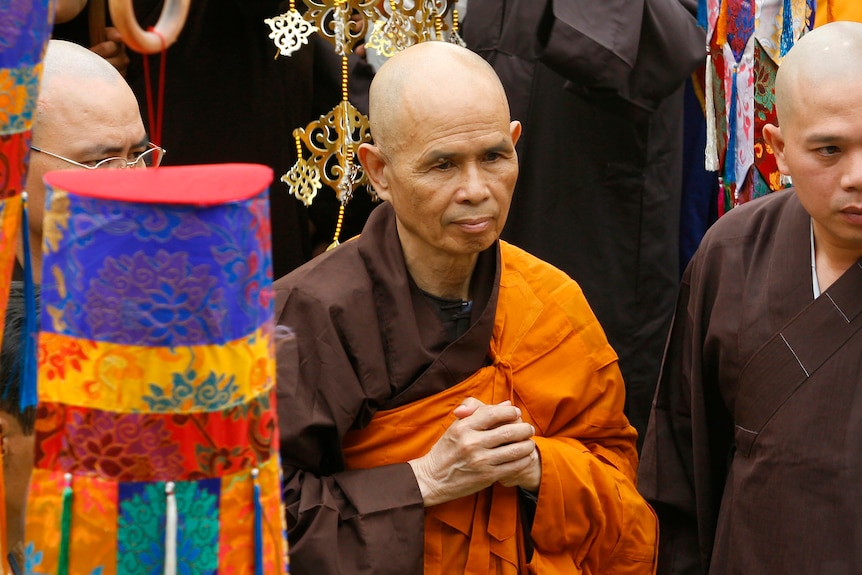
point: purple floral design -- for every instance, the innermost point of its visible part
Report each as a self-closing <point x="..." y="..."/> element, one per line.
<point x="155" y="300"/>
<point x="145" y="223"/>
<point x="133" y="448"/>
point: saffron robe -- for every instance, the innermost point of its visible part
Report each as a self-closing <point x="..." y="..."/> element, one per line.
<point x="373" y="356"/>
<point x="752" y="457"/>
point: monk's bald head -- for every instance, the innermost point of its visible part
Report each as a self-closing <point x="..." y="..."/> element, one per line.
<point x="70" y="69"/>
<point x="429" y="75"/>
<point x="828" y="55"/>
<point x="69" y="60"/>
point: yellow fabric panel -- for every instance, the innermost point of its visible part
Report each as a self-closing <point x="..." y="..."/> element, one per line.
<point x="135" y="379"/>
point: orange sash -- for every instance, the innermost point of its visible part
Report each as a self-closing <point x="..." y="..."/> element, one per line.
<point x="478" y="534"/>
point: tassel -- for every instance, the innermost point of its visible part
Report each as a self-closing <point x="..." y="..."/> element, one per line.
<point x="711" y="152"/>
<point x="28" y="397"/>
<point x="787" y="27"/>
<point x="65" y="528"/>
<point x="170" y="529"/>
<point x="258" y="524"/>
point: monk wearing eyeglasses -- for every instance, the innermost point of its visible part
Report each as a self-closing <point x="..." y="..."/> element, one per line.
<point x="86" y="117"/>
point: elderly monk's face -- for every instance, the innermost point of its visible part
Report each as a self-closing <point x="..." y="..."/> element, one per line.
<point x="452" y="171"/>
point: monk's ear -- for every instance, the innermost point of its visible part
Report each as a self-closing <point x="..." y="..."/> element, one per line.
<point x="515" y="131"/>
<point x="374" y="163"/>
<point x="775" y="140"/>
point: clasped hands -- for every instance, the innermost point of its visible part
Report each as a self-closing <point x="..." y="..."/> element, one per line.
<point x="484" y="445"/>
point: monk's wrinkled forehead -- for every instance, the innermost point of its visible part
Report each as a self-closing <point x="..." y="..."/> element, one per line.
<point x="426" y="78"/>
<point x="827" y="56"/>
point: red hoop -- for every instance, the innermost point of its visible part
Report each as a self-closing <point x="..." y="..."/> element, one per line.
<point x="165" y="32"/>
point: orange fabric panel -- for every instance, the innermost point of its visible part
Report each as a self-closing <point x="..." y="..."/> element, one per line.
<point x="841" y="10"/>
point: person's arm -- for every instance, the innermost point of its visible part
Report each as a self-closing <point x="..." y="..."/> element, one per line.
<point x="339" y="521"/>
<point x="640" y="50"/>
<point x="688" y="423"/>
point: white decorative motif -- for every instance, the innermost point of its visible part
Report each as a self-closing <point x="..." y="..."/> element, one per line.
<point x="290" y="31"/>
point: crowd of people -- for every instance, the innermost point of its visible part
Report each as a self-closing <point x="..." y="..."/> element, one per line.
<point x="493" y="376"/>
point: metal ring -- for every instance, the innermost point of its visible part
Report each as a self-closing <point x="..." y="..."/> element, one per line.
<point x="171" y="21"/>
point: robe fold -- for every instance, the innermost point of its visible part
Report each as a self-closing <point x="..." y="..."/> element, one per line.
<point x="751" y="456"/>
<point x="376" y="385"/>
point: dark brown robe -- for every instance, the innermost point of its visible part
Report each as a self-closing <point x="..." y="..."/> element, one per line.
<point x="752" y="457"/>
<point x="597" y="85"/>
<point x="370" y="343"/>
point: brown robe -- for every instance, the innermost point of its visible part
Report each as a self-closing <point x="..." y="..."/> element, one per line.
<point x="372" y="349"/>
<point x="752" y="457"/>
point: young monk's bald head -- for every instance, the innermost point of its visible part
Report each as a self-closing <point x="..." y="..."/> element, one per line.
<point x="68" y="71"/>
<point x="67" y="59"/>
<point x="429" y="74"/>
<point x="828" y="55"/>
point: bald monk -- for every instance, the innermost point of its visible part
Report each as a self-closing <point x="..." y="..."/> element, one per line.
<point x="86" y="117"/>
<point x="456" y="407"/>
<point x="752" y="456"/>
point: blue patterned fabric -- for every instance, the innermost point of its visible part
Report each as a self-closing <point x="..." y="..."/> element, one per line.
<point x="25" y="26"/>
<point x="156" y="275"/>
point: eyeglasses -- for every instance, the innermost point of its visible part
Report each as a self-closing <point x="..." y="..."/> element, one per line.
<point x="150" y="158"/>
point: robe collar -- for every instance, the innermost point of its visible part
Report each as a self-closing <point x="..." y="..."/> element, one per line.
<point x="420" y="360"/>
<point x="789" y="279"/>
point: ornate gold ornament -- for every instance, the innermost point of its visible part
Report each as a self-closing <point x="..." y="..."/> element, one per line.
<point x="334" y="138"/>
<point x="290" y="31"/>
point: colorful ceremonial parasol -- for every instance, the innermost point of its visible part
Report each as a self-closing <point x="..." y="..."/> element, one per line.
<point x="156" y="431"/>
<point x="25" y="26"/>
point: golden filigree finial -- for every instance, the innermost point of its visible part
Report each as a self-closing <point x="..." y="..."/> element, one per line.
<point x="342" y="22"/>
<point x="331" y="141"/>
<point x="400" y="27"/>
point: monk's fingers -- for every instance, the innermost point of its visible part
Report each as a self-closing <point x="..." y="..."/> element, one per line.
<point x="501" y="435"/>
<point x="525" y="472"/>
<point x="492" y="416"/>
<point x="492" y="447"/>
<point x="468" y="407"/>
<point x="510" y="452"/>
